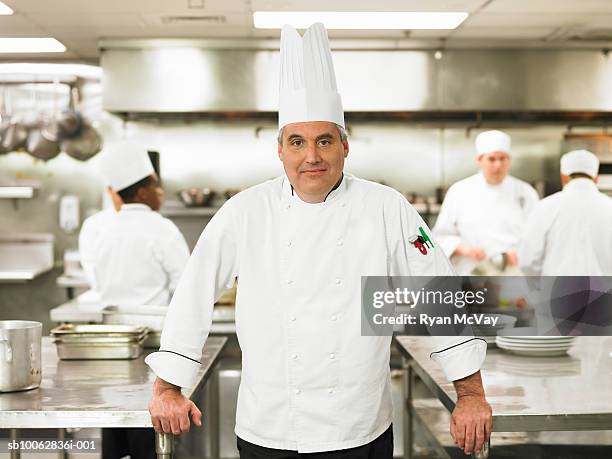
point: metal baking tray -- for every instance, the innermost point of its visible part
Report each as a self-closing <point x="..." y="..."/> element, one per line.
<point x="98" y="330"/>
<point x="89" y="351"/>
<point x="100" y="339"/>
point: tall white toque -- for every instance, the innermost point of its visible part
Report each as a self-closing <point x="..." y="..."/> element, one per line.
<point x="308" y="90"/>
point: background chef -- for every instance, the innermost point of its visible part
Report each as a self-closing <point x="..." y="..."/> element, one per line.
<point x="481" y="218"/>
<point x="570" y="232"/>
<point x="300" y="244"/>
<point x="140" y="255"/>
<point x="90" y="230"/>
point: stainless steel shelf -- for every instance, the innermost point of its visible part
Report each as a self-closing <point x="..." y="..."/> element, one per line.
<point x="177" y="209"/>
<point x="18" y="190"/>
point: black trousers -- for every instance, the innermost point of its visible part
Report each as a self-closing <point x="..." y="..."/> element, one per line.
<point x="139" y="443"/>
<point x="380" y="448"/>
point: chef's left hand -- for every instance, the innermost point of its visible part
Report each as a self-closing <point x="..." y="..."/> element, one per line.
<point x="471" y="423"/>
<point x="511" y="258"/>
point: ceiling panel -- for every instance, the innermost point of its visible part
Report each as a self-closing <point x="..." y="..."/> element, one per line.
<point x="519" y="33"/>
<point x="122" y="6"/>
<point x="19" y="26"/>
<point x="549" y="6"/>
<point x="535" y="20"/>
<point x="367" y="5"/>
<point x="86" y="20"/>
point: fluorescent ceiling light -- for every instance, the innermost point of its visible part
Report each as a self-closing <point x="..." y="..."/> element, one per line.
<point x="31" y="45"/>
<point x="5" y="10"/>
<point x="81" y="70"/>
<point x="359" y="20"/>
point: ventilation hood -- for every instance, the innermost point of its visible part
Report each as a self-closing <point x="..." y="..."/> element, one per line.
<point x="195" y="76"/>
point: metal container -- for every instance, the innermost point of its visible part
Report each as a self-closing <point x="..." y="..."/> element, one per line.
<point x="99" y="351"/>
<point x="20" y="364"/>
<point x="84" y="330"/>
<point x="92" y="342"/>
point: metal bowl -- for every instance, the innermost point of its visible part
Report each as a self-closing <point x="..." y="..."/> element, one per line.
<point x="196" y="197"/>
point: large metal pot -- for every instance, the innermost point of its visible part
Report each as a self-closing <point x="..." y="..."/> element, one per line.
<point x="20" y="365"/>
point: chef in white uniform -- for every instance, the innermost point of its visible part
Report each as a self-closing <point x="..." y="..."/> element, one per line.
<point x="482" y="216"/>
<point x="90" y="230"/>
<point x="140" y="255"/>
<point x="300" y="244"/>
<point x="569" y="233"/>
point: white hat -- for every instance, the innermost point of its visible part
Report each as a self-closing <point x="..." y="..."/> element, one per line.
<point x="124" y="164"/>
<point x="308" y="90"/>
<point x="580" y="161"/>
<point x="492" y="141"/>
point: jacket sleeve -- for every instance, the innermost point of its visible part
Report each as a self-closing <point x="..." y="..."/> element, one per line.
<point x="531" y="200"/>
<point x="210" y="269"/>
<point x="173" y="253"/>
<point x="87" y="237"/>
<point x="459" y="356"/>
<point x="445" y="229"/>
<point x="533" y="243"/>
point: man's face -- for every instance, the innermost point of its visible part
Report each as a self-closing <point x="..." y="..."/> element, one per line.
<point x="152" y="195"/>
<point x="313" y="157"/>
<point x="494" y="166"/>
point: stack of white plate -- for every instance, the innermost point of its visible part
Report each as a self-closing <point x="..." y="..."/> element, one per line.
<point x="489" y="332"/>
<point x="536" y="346"/>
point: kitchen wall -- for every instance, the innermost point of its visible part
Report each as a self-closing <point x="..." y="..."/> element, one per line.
<point x="238" y="154"/>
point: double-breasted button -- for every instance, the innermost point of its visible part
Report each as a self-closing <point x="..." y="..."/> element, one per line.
<point x="340" y="242"/>
<point x="338" y="281"/>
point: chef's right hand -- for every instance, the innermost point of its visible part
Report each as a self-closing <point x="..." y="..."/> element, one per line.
<point x="474" y="253"/>
<point x="170" y="409"/>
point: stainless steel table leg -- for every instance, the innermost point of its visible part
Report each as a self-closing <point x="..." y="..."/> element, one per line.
<point x="164" y="443"/>
<point x="407" y="418"/>
<point x="61" y="435"/>
<point x="484" y="452"/>
<point x="15" y="453"/>
<point x="211" y="415"/>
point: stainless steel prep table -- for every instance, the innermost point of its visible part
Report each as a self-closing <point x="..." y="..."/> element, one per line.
<point x="527" y="394"/>
<point x="102" y="393"/>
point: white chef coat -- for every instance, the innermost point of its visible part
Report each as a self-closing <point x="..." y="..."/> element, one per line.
<point x="478" y="214"/>
<point x="90" y="230"/>
<point x="569" y="233"/>
<point x="139" y="258"/>
<point x="310" y="382"/>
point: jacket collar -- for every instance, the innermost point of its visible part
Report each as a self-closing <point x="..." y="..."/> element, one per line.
<point x="289" y="194"/>
<point x="134" y="207"/>
<point x="582" y="183"/>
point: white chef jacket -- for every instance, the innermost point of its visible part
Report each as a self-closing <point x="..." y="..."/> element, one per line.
<point x="90" y="230"/>
<point x="478" y="214"/>
<point x="310" y="382"/>
<point x="139" y="258"/>
<point x="569" y="233"/>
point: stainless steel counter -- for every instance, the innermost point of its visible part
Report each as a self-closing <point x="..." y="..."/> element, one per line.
<point x="93" y="393"/>
<point x="529" y="394"/>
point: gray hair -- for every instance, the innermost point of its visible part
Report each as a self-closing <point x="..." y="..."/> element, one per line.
<point x="341" y="131"/>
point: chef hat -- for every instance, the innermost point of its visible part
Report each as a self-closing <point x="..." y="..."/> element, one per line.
<point x="124" y="164"/>
<point x="492" y="141"/>
<point x="308" y="90"/>
<point x="580" y="161"/>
